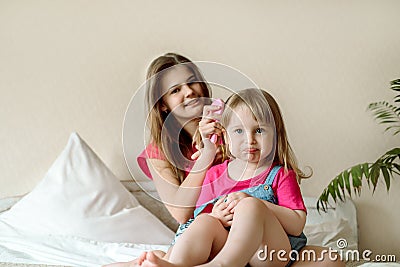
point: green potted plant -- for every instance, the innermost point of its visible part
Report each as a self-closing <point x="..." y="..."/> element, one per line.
<point x="350" y="180"/>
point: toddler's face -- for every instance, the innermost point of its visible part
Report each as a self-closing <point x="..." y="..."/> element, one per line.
<point x="248" y="139"/>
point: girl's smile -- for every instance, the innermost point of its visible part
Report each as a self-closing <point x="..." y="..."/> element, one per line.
<point x="192" y="102"/>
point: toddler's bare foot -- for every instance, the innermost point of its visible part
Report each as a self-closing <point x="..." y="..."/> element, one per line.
<point x="152" y="260"/>
<point x="141" y="258"/>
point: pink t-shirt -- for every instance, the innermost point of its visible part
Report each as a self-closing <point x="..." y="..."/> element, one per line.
<point x="150" y="152"/>
<point x="285" y="186"/>
<point x="153" y="152"/>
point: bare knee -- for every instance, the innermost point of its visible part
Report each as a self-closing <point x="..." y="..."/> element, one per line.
<point x="251" y="204"/>
<point x="207" y="221"/>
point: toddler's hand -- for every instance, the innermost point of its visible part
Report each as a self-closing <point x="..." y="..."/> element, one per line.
<point x="221" y="212"/>
<point x="233" y="199"/>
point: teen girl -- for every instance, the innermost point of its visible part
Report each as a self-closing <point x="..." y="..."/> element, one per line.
<point x="177" y="99"/>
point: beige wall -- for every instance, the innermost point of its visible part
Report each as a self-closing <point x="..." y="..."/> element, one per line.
<point x="74" y="65"/>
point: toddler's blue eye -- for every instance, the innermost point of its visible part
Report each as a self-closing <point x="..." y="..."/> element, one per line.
<point x="239" y="131"/>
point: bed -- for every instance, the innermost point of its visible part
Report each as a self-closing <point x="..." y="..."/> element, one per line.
<point x="80" y="214"/>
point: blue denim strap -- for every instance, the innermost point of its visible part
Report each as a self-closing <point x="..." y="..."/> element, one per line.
<point x="272" y="174"/>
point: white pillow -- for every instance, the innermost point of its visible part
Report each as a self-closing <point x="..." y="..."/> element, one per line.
<point x="335" y="234"/>
<point x="336" y="228"/>
<point x="80" y="196"/>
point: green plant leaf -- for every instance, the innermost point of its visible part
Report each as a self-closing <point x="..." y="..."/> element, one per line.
<point x="395" y="85"/>
<point x="356" y="175"/>
<point x="367" y="174"/>
<point x="323" y="200"/>
<point x="386" y="176"/>
<point x="321" y="204"/>
<point x="391" y="127"/>
<point x="387" y="165"/>
<point x="332" y="191"/>
<point x="341" y="183"/>
<point x="374" y="176"/>
<point x="386" y="113"/>
<point x="394" y="151"/>
<point x="336" y="188"/>
<point x="346" y="178"/>
<point x="397" y="166"/>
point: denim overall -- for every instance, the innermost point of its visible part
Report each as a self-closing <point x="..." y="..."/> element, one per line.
<point x="263" y="191"/>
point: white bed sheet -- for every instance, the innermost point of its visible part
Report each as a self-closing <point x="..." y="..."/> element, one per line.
<point x="29" y="248"/>
<point x="23" y="247"/>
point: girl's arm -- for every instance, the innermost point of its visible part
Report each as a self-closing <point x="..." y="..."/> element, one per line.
<point x="290" y="211"/>
<point x="180" y="199"/>
<point x="292" y="221"/>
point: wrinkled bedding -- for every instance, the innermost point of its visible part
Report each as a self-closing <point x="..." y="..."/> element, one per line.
<point x="28" y="248"/>
<point x="25" y="249"/>
<point x="19" y="248"/>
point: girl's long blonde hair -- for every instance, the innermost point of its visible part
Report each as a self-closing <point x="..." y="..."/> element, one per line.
<point x="262" y="104"/>
<point x="165" y="131"/>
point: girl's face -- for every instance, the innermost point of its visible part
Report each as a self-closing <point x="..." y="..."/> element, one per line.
<point x="249" y="140"/>
<point x="182" y="93"/>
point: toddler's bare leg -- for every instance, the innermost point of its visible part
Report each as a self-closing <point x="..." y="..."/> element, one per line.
<point x="253" y="227"/>
<point x="201" y="241"/>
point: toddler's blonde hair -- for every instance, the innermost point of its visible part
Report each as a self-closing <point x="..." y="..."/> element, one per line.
<point x="262" y="105"/>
